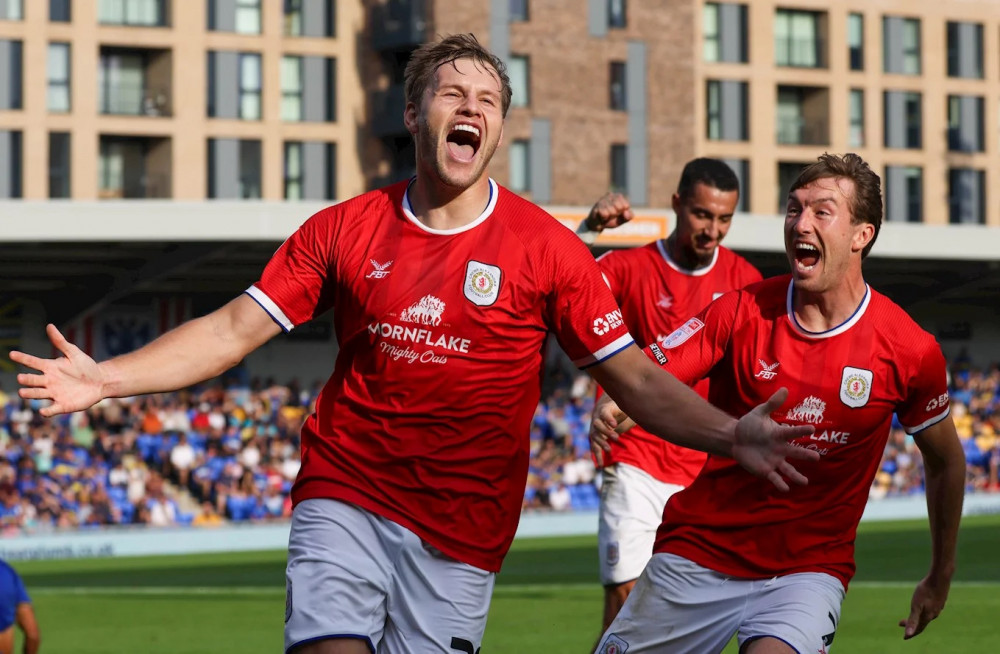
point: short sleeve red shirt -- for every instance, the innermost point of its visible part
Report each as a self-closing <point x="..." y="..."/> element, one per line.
<point x="425" y="419"/>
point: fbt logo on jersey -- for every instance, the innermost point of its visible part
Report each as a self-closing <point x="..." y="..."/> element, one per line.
<point x="379" y="270"/>
<point x="608" y="322"/>
<point x="766" y="371"/>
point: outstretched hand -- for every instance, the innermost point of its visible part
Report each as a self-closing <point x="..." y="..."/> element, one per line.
<point x="607" y="423"/>
<point x="927" y="603"/>
<point x="762" y="445"/>
<point x="612" y="210"/>
<point x="72" y="382"/>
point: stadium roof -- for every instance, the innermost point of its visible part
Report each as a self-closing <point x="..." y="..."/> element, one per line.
<point x="76" y="257"/>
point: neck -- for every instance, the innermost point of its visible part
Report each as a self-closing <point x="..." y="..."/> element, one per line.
<point x="824" y="310"/>
<point x="682" y="256"/>
<point x="443" y="207"/>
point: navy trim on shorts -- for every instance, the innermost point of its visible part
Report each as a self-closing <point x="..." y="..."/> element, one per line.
<point x="309" y="641"/>
<point x="747" y="642"/>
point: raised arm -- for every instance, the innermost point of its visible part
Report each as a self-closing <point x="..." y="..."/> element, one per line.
<point x="944" y="474"/>
<point x="197" y="350"/>
<point x="666" y="407"/>
<point x="610" y="211"/>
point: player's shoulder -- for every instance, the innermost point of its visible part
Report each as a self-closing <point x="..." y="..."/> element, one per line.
<point x="534" y="227"/>
<point x="361" y="209"/>
<point x="631" y="256"/>
<point x="897" y="326"/>
<point x="730" y="260"/>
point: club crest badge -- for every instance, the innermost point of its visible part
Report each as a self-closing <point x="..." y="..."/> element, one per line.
<point x="856" y="386"/>
<point x="614" y="645"/>
<point x="612" y="553"/>
<point x="482" y="283"/>
<point x="288" y="600"/>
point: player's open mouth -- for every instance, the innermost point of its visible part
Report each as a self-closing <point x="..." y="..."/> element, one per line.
<point x="806" y="256"/>
<point x="463" y="141"/>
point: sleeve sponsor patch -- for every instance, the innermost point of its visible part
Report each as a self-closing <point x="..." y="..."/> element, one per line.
<point x="661" y="358"/>
<point x="682" y="333"/>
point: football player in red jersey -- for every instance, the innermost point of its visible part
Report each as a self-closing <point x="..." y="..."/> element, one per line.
<point x="733" y="557"/>
<point x="443" y="290"/>
<point x="659" y="287"/>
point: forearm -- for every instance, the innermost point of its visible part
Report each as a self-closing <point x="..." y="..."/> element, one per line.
<point x="32" y="644"/>
<point x="945" y="484"/>
<point x="666" y="407"/>
<point x="193" y="352"/>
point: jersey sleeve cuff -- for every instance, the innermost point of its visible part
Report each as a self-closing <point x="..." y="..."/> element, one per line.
<point x="605" y="352"/>
<point x="927" y="423"/>
<point x="272" y="309"/>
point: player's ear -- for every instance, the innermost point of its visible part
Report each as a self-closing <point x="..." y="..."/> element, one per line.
<point x="410" y="118"/>
<point x="863" y="235"/>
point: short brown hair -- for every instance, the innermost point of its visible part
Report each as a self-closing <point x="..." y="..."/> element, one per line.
<point x="866" y="205"/>
<point x="426" y="59"/>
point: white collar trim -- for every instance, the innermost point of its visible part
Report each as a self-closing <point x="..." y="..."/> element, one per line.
<point x="487" y="212"/>
<point x="839" y="329"/>
<point x="698" y="272"/>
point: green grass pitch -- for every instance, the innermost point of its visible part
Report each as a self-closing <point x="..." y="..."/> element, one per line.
<point x="546" y="599"/>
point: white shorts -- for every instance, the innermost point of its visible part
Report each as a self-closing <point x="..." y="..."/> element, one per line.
<point x="631" y="510"/>
<point x="354" y="574"/>
<point x="680" y="607"/>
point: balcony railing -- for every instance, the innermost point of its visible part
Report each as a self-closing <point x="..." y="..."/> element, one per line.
<point x="799" y="131"/>
<point x="399" y="24"/>
<point x="800" y="52"/>
<point x="146" y="187"/>
<point x="135" y="100"/>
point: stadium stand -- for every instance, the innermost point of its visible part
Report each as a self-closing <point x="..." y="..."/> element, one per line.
<point x="229" y="452"/>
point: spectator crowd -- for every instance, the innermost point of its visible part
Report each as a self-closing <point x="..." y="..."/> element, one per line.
<point x="229" y="452"/>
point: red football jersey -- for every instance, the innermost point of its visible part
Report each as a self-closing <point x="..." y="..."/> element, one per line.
<point x="657" y="296"/>
<point x="847" y="382"/>
<point x="425" y="419"/>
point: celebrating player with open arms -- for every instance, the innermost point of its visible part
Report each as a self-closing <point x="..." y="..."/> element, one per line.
<point x="660" y="287"/>
<point x="734" y="557"/>
<point x="443" y="289"/>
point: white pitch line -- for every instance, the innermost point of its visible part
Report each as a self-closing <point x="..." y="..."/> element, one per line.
<point x="498" y="590"/>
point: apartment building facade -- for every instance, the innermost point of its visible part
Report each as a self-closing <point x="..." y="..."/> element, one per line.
<point x="201" y="99"/>
<point x="182" y="99"/>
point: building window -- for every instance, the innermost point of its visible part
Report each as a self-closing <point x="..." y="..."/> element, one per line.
<point x="247" y="17"/>
<point x="121" y="81"/>
<point x="966" y="123"/>
<point x="856" y="114"/>
<point x="59" y="165"/>
<point x="725" y="30"/>
<point x="619" y="168"/>
<point x="519" y="71"/>
<point x="10" y="164"/>
<point x="292" y="23"/>
<point x="11" y="72"/>
<point x="250" y="86"/>
<point x="966" y="196"/>
<point x="11" y="10"/>
<point x="798" y="38"/>
<point x="903" y="120"/>
<point x="520" y="166"/>
<point x="58" y="77"/>
<point x="965" y="50"/>
<point x="742" y="169"/>
<point x="616" y="13"/>
<point x="234" y="169"/>
<point x="291" y="88"/>
<point x="617" y="86"/>
<point x="727" y="113"/>
<point x="519" y="11"/>
<point x="904" y="194"/>
<point x="293" y="170"/>
<point x="788" y="172"/>
<point x="147" y="13"/>
<point x="802" y="115"/>
<point x="901" y="45"/>
<point x="59" y="11"/>
<point x="856" y="41"/>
